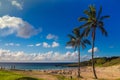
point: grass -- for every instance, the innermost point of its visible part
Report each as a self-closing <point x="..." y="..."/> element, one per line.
<point x="60" y="77"/>
<point x="8" y="75"/>
<point x="112" y="62"/>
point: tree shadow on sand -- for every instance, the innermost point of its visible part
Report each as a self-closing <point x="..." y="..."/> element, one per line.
<point x="26" y="78"/>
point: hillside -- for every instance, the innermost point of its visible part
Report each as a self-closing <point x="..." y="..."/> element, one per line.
<point x="101" y="61"/>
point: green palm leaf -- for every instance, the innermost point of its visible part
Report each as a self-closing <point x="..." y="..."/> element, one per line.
<point x="85" y="25"/>
<point x="71" y="36"/>
<point x="86" y="41"/>
<point x="104" y="32"/>
<point x="99" y="13"/>
<point x="104" y="17"/>
<point x="87" y="12"/>
<point x="82" y="19"/>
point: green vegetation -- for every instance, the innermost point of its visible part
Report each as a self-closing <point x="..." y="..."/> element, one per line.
<point x="9" y="75"/>
<point x="101" y="62"/>
<point x="60" y="77"/>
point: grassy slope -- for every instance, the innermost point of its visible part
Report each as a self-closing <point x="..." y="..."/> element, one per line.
<point x="112" y="62"/>
<point x="102" y="62"/>
<point x="8" y="75"/>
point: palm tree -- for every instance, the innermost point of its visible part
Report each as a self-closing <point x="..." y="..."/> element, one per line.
<point x="92" y="22"/>
<point x="77" y="40"/>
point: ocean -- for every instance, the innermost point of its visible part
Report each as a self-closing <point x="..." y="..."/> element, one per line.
<point x="33" y="66"/>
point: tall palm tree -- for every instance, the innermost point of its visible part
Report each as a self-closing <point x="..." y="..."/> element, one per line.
<point x="77" y="40"/>
<point x="92" y="22"/>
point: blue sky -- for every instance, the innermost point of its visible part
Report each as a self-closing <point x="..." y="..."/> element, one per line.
<point x="38" y="27"/>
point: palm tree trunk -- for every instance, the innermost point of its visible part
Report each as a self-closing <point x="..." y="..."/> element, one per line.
<point x="93" y="61"/>
<point x="78" y="61"/>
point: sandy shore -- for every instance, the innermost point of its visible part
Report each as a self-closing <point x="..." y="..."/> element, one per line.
<point x="106" y="73"/>
<point x="111" y="73"/>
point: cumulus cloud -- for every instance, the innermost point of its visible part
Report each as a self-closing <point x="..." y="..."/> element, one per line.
<point x="12" y="44"/>
<point x="15" y="25"/>
<point x="55" y="44"/>
<point x="16" y="4"/>
<point x="86" y="57"/>
<point x="95" y="50"/>
<point x="7" y="55"/>
<point x="51" y="36"/>
<point x="38" y="44"/>
<point x="46" y="45"/>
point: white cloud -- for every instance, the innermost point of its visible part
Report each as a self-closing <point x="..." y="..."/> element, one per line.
<point x="15" y="25"/>
<point x="50" y="56"/>
<point x="12" y="44"/>
<point x="85" y="57"/>
<point x="68" y="47"/>
<point x="46" y="45"/>
<point x="38" y="44"/>
<point x="17" y="4"/>
<point x="95" y="50"/>
<point x="51" y="36"/>
<point x="55" y="44"/>
<point x="31" y="45"/>
<point x="7" y="55"/>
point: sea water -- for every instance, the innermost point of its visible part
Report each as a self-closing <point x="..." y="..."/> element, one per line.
<point x="33" y="66"/>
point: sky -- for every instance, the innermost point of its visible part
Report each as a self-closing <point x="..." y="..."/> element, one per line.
<point x="36" y="30"/>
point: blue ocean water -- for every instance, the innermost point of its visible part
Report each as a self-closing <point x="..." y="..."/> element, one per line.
<point x="33" y="66"/>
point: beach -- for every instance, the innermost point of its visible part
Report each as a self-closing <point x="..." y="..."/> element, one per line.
<point x="103" y="73"/>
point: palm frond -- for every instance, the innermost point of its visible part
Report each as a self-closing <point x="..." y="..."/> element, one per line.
<point x="87" y="12"/>
<point x="76" y="31"/>
<point x="83" y="45"/>
<point x="100" y="23"/>
<point x="85" y="25"/>
<point x="92" y="11"/>
<point x="86" y="41"/>
<point x="104" y="17"/>
<point x="86" y="31"/>
<point x="99" y="13"/>
<point x="82" y="19"/>
<point x="70" y="43"/>
<point x="71" y="36"/>
<point x="104" y="32"/>
<point x="92" y="8"/>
